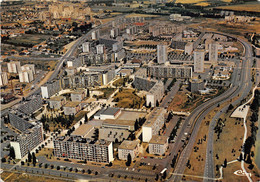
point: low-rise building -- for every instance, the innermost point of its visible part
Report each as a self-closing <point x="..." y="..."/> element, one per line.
<point x="108" y="113"/>
<point x="195" y="85"/>
<point x="72" y="108"/>
<point x="78" y="95"/>
<point x="158" y="144"/>
<point x="128" y="147"/>
<point x="30" y="105"/>
<point x="57" y="102"/>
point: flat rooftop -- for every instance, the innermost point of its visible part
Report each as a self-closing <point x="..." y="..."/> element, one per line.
<point x="72" y="104"/>
<point x="57" y="98"/>
<point x="128" y="145"/>
<point x="83" y="130"/>
<point x="153" y="116"/>
<point x="157" y="139"/>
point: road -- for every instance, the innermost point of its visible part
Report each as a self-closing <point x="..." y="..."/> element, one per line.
<point x="201" y="111"/>
<point x="245" y="87"/>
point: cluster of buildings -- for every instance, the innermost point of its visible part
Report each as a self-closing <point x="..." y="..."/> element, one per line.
<point x="26" y="72"/>
<point x="114" y="126"/>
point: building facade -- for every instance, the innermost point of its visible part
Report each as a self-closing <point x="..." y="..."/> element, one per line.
<point x="162" y="54"/>
<point x="28" y="140"/>
<point x="83" y="149"/>
<point x="199" y="61"/>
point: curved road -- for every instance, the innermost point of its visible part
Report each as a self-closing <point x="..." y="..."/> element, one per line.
<point x="198" y="115"/>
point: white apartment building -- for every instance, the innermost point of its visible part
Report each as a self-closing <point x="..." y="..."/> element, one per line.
<point x="199" y="61"/>
<point x="14" y="67"/>
<point x="28" y="67"/>
<point x="153" y="123"/>
<point x="28" y="140"/>
<point x="100" y="48"/>
<point x="86" y="47"/>
<point x="155" y="94"/>
<point x="26" y="76"/>
<point x="158" y="145"/>
<point x="128" y="147"/>
<point x="3" y="78"/>
<point x="161" y="54"/>
<point x="213" y="52"/>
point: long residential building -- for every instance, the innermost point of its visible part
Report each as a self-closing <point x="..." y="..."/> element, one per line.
<point x="172" y="71"/>
<point x="83" y="149"/>
<point x="30" y="106"/>
<point x="28" y="140"/>
<point x="153" y="123"/>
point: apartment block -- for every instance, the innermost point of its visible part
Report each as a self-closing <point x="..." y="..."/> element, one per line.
<point x="128" y="147"/>
<point x="171" y="71"/>
<point x="3" y="79"/>
<point x="50" y="88"/>
<point x="28" y="140"/>
<point x="31" y="105"/>
<point x="57" y="102"/>
<point x="26" y="76"/>
<point x="17" y="120"/>
<point x="153" y="123"/>
<point x="83" y="149"/>
<point x="29" y="67"/>
<point x="162" y="54"/>
<point x="86" y="47"/>
<point x="199" y="57"/>
<point x="158" y="145"/>
<point x="195" y="85"/>
<point x="72" y="108"/>
<point x="14" y="67"/>
<point x="78" y="95"/>
<point x="213" y="52"/>
<point x="155" y="94"/>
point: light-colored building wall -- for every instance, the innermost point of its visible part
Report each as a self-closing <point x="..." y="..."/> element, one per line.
<point x="3" y="78"/>
<point x="199" y="61"/>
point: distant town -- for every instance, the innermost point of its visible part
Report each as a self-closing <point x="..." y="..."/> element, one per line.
<point x="130" y="90"/>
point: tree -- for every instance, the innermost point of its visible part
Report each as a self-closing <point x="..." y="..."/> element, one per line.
<point x="217" y="168"/>
<point x="225" y="163"/>
<point x="230" y="107"/>
<point x="12" y="153"/>
<point x="3" y="160"/>
<point x="33" y="158"/>
<point x="157" y="103"/>
<point x="129" y="160"/>
<point x="29" y="157"/>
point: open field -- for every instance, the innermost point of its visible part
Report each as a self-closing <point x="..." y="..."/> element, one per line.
<point x="243" y="7"/>
<point x="198" y="2"/>
<point x="128" y="99"/>
<point x="17" y="177"/>
<point x="119" y="82"/>
<point x="238" y="29"/>
<point x="181" y="102"/>
<point x="106" y="92"/>
<point x="28" y="40"/>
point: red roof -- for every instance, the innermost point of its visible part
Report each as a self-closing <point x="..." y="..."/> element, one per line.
<point x="139" y="24"/>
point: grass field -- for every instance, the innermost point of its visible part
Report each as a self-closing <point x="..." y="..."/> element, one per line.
<point x="17" y="177"/>
<point x="243" y="7"/>
<point x="119" y="82"/>
<point x="28" y="40"/>
<point x="128" y="99"/>
<point x="107" y="92"/>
